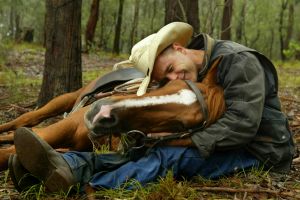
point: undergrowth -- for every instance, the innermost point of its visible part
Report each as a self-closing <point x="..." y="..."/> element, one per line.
<point x="20" y="88"/>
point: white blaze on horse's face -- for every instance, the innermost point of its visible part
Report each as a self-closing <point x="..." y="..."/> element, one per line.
<point x="184" y="97"/>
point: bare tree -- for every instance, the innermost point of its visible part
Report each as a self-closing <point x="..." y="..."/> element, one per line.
<point x="62" y="71"/>
<point x="154" y="11"/>
<point x="240" y="30"/>
<point x="284" y="4"/>
<point x="286" y="32"/>
<point x="133" y="32"/>
<point x="226" y="20"/>
<point x="290" y="26"/>
<point x="91" y="24"/>
<point x="183" y="10"/>
<point x="116" y="48"/>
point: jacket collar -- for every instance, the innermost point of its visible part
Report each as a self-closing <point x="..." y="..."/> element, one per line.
<point x="203" y="42"/>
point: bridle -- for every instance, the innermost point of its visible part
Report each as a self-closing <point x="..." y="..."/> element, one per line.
<point x="144" y="140"/>
<point x="200" y="99"/>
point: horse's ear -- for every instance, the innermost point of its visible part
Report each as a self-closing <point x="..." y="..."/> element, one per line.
<point x="211" y="76"/>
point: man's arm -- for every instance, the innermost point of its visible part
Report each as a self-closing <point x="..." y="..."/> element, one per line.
<point x="244" y="91"/>
<point x="242" y="77"/>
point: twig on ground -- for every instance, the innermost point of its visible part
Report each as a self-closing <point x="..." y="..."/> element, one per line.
<point x="296" y="160"/>
<point x="289" y="99"/>
<point x="249" y="190"/>
<point x="90" y="192"/>
<point x="4" y="97"/>
<point x="19" y="108"/>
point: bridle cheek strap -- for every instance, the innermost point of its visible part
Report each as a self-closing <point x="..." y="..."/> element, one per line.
<point x="200" y="99"/>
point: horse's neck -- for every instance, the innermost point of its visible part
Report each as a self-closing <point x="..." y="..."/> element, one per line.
<point x="211" y="76"/>
<point x="214" y="99"/>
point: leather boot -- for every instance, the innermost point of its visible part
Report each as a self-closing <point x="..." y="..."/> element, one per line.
<point x="42" y="161"/>
<point x="20" y="177"/>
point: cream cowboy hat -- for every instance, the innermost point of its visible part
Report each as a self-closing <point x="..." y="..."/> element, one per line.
<point x="144" y="53"/>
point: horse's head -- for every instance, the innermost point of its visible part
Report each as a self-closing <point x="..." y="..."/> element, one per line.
<point x="171" y="108"/>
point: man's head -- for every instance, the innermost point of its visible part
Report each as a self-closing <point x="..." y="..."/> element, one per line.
<point x="144" y="53"/>
<point x="177" y="62"/>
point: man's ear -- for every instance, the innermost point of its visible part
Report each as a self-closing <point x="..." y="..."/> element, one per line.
<point x="176" y="46"/>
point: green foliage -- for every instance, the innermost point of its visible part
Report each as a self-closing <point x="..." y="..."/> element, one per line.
<point x="31" y="13"/>
<point x="288" y="74"/>
<point x="5" y="47"/>
<point x="6" y="173"/>
<point x="18" y="84"/>
<point x="165" y="188"/>
<point x="260" y="28"/>
<point x="93" y="74"/>
<point x="39" y="192"/>
<point x="294" y="49"/>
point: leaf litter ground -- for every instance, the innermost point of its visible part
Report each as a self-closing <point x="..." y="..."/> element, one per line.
<point x="18" y="97"/>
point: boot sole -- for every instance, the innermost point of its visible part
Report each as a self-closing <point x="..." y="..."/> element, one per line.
<point x="12" y="173"/>
<point x="20" y="177"/>
<point x="28" y="143"/>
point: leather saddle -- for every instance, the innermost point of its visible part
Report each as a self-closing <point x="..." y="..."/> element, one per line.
<point x="107" y="83"/>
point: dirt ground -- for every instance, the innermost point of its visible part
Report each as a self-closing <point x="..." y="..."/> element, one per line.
<point x="31" y="63"/>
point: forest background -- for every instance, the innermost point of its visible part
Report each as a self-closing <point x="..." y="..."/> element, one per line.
<point x="268" y="26"/>
<point x="116" y="25"/>
<point x="102" y="32"/>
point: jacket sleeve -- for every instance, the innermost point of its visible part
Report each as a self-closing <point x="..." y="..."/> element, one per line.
<point x="242" y="77"/>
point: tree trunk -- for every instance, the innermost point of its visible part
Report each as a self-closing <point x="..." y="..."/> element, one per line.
<point x="133" y="32"/>
<point x="18" y="29"/>
<point x="281" y="28"/>
<point x="102" y="41"/>
<point x="183" y="10"/>
<point x="297" y="54"/>
<point x="154" y="11"/>
<point x="92" y="23"/>
<point x="290" y="26"/>
<point x="241" y="22"/>
<point x="226" y="20"/>
<point x="116" y="48"/>
<point x="174" y="11"/>
<point x="191" y="8"/>
<point x="12" y="14"/>
<point x="62" y="71"/>
<point x="271" y="44"/>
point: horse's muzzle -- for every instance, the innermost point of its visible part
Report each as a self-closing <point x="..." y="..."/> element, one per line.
<point x="100" y="119"/>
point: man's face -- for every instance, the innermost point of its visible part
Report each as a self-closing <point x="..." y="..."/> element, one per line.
<point x="174" y="65"/>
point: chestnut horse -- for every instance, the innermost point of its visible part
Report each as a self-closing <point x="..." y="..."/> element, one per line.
<point x="171" y="108"/>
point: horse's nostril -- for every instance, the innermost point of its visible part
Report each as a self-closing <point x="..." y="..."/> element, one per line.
<point x="108" y="122"/>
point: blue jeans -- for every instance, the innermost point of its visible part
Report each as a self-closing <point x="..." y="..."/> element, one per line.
<point x="113" y="170"/>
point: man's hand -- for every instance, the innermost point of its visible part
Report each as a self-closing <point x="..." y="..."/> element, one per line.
<point x="183" y="142"/>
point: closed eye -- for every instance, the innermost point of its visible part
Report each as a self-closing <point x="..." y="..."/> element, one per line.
<point x="170" y="68"/>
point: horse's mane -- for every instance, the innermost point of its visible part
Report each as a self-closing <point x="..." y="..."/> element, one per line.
<point x="214" y="94"/>
<point x="215" y="101"/>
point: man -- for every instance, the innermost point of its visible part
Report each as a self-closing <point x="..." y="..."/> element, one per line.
<point x="253" y="132"/>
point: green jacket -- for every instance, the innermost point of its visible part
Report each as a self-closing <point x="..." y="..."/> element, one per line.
<point x="253" y="117"/>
